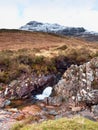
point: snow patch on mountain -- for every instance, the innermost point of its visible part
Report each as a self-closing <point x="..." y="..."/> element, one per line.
<point x="51" y="28"/>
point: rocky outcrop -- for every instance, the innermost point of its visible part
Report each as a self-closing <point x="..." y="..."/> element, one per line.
<point x="79" y="83"/>
<point x="77" y="90"/>
<point x="28" y="86"/>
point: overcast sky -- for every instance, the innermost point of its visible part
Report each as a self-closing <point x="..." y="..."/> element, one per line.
<point x="77" y="13"/>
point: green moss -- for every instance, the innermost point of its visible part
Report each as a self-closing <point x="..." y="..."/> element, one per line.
<point x="77" y="123"/>
<point x="17" y="126"/>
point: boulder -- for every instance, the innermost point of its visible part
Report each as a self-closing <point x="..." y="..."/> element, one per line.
<point x="28" y="85"/>
<point x="80" y="82"/>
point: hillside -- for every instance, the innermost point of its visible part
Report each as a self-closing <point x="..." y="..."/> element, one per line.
<point x="17" y="39"/>
<point x="27" y="45"/>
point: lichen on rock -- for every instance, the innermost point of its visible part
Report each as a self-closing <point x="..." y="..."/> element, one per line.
<point x="80" y="82"/>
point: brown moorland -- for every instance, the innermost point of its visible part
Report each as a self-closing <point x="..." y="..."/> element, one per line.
<point x="17" y="39"/>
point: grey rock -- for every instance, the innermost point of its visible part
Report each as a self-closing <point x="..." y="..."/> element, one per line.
<point x="56" y="101"/>
<point x="7" y="102"/>
<point x="53" y="112"/>
<point x="4" y="103"/>
<point x="14" y="82"/>
<point x="80" y="82"/>
<point x="58" y="116"/>
<point x="95" y="110"/>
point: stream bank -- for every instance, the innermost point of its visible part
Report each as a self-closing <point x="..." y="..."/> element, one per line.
<point x="76" y="93"/>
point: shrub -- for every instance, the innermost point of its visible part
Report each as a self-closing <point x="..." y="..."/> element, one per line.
<point x="71" y="54"/>
<point x="24" y="68"/>
<point x="83" y="55"/>
<point x="4" y="78"/>
<point x="38" y="59"/>
<point x="5" y="61"/>
<point x="79" y="56"/>
<point x="14" y="63"/>
<point x="24" y="59"/>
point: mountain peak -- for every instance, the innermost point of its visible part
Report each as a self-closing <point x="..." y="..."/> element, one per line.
<point x="52" y="28"/>
<point x="34" y="23"/>
<point x="60" y="30"/>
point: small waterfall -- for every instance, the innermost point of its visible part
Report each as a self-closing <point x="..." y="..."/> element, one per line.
<point x="46" y="93"/>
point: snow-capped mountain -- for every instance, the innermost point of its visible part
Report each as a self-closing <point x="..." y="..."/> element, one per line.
<point x="52" y="28"/>
<point x="60" y="30"/>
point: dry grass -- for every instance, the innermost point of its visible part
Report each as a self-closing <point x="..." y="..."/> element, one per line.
<point x="14" y="40"/>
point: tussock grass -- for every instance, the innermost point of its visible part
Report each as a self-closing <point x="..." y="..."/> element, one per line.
<point x="76" y="123"/>
<point x="15" y="63"/>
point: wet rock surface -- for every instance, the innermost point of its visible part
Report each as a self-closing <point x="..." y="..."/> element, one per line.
<point x="6" y="120"/>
